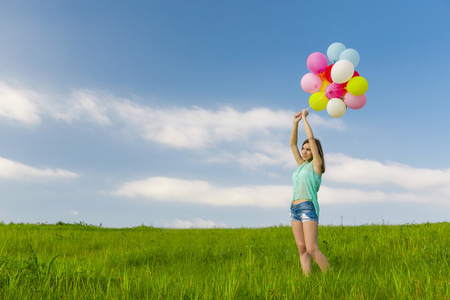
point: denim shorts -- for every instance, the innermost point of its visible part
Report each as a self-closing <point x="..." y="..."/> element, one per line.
<point x="303" y="212"/>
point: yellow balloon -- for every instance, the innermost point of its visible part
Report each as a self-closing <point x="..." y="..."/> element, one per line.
<point x="318" y="101"/>
<point x="357" y="86"/>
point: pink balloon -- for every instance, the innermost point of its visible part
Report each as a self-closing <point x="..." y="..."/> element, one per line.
<point x="317" y="62"/>
<point x="334" y="90"/>
<point x="311" y="83"/>
<point x="355" y="102"/>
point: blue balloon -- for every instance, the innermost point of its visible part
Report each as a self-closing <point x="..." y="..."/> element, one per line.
<point x="334" y="51"/>
<point x="350" y="54"/>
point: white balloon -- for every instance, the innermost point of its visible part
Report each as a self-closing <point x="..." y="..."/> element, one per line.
<point x="342" y="71"/>
<point x="336" y="107"/>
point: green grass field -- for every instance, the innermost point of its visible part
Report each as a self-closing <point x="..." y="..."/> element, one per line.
<point x="88" y="262"/>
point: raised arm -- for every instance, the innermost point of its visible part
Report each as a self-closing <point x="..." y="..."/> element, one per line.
<point x="317" y="160"/>
<point x="294" y="133"/>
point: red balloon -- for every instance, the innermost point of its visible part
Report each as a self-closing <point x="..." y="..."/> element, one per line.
<point x="327" y="73"/>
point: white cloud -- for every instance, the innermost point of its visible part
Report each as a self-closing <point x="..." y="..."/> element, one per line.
<point x="197" y="223"/>
<point x="329" y="195"/>
<point x="342" y="168"/>
<point x="257" y="132"/>
<point x="335" y="124"/>
<point x="13" y="170"/>
<point x="198" y="128"/>
<point x="197" y="191"/>
<point x="373" y="181"/>
<point x="73" y="212"/>
<point x="178" y="127"/>
<point x="81" y="106"/>
<point x="364" y="181"/>
<point x="19" y="105"/>
<point x="271" y="153"/>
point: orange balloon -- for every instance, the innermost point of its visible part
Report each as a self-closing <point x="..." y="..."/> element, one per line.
<point x="324" y="85"/>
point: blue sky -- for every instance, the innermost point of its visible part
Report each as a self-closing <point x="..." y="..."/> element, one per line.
<point x="178" y="113"/>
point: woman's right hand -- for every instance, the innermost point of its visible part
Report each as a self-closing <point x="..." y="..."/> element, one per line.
<point x="298" y="117"/>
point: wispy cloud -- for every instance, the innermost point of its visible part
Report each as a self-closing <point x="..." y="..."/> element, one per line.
<point x="13" y="170"/>
<point x="81" y="106"/>
<point x="178" y="127"/>
<point x="362" y="180"/>
<point x="196" y="191"/>
<point x="366" y="180"/>
<point x="372" y="173"/>
<point x="19" y="105"/>
<point x="266" y="152"/>
<point x="329" y="195"/>
<point x="197" y="128"/>
<point x="256" y="131"/>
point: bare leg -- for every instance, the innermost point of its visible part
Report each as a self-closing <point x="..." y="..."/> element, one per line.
<point x="310" y="233"/>
<point x="305" y="258"/>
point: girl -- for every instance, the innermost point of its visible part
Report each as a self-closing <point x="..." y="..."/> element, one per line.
<point x="304" y="207"/>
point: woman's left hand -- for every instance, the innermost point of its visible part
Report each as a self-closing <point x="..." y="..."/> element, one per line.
<point x="305" y="112"/>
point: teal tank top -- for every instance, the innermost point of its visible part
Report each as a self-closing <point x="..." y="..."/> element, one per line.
<point x="306" y="184"/>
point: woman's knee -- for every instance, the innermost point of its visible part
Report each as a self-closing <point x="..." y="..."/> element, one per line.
<point x="313" y="250"/>
<point x="301" y="248"/>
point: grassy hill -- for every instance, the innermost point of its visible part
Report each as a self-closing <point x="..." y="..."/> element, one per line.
<point x="87" y="262"/>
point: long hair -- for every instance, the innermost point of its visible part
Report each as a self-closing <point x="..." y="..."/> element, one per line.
<point x="319" y="147"/>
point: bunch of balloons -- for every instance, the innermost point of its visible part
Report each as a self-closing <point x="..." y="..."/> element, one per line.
<point x="335" y="86"/>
